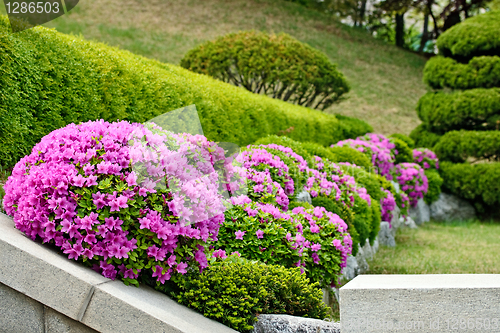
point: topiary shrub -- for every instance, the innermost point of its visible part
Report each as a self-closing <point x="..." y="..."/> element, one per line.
<point x="402" y="152"/>
<point x="409" y="141"/>
<point x="315" y="240"/>
<point x="480" y="72"/>
<point x="459" y="146"/>
<point x="476" y="36"/>
<point x="234" y="291"/>
<point x="95" y="192"/>
<point x="423" y="137"/>
<point x="435" y="182"/>
<point x="350" y="155"/>
<point x="276" y="65"/>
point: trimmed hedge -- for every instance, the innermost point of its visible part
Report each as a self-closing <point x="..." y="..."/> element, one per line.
<point x="476" y="36"/>
<point x="276" y="65"/>
<point x="234" y="291"/>
<point x="409" y="141"/>
<point x="475" y="109"/>
<point x="286" y="142"/>
<point x="48" y="79"/>
<point x="478" y="182"/>
<point x="480" y="72"/>
<point x="435" y="182"/>
<point x="457" y="146"/>
<point x="424" y="138"/>
<point x="353" y="127"/>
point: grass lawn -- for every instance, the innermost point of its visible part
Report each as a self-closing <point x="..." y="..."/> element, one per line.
<point x="442" y="248"/>
<point x="386" y="81"/>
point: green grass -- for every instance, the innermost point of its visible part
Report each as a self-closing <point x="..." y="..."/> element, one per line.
<point x="442" y="248"/>
<point x="386" y="81"/>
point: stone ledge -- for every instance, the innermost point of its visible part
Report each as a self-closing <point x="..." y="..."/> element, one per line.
<point x="418" y="303"/>
<point x="83" y="295"/>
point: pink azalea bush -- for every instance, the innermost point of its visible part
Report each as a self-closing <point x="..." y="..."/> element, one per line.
<point x="103" y="193"/>
<point x="412" y="179"/>
<point x="315" y="240"/>
<point x="426" y="158"/>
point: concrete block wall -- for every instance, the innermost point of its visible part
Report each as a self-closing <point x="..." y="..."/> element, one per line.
<point x="43" y="291"/>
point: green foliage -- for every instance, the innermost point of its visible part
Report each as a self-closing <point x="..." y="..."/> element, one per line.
<point x="435" y="181"/>
<point x="353" y="127"/>
<point x="276" y="65"/>
<point x="458" y="146"/>
<point x="362" y="219"/>
<point x="48" y="79"/>
<point x="424" y="138"/>
<point x="344" y="213"/>
<point x="475" y="109"/>
<point x="405" y="153"/>
<point x="285" y="141"/>
<point x="478" y="182"/>
<point x="350" y="155"/>
<point x="368" y="180"/>
<point x="480" y="72"/>
<point x="474" y="37"/>
<point x="409" y="141"/>
<point x="294" y="204"/>
<point x="315" y="149"/>
<point x="376" y="214"/>
<point x="234" y="291"/>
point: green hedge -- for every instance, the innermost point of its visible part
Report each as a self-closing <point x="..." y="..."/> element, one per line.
<point x="353" y="127"/>
<point x="49" y="79"/>
<point x="480" y="72"/>
<point x="235" y="291"/>
<point x="474" y="37"/>
<point x="457" y="146"/>
<point x="478" y="182"/>
<point x="435" y="182"/>
<point x="409" y="141"/>
<point x="286" y="142"/>
<point x="475" y="109"/>
<point x="424" y="138"/>
<point x="279" y="66"/>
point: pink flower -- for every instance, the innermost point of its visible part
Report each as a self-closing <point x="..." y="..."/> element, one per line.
<point x="260" y="234"/>
<point x="239" y="234"/>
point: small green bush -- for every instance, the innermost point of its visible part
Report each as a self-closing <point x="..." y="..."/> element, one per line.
<point x="424" y="138"/>
<point x="234" y="291"/>
<point x="405" y="153"/>
<point x="478" y="182"/>
<point x="294" y="204"/>
<point x="344" y="213"/>
<point x="435" y="182"/>
<point x="376" y="214"/>
<point x="476" y="36"/>
<point x="362" y="219"/>
<point x="409" y="141"/>
<point x="48" y="80"/>
<point x="286" y="142"/>
<point x="458" y="146"/>
<point x="368" y="180"/>
<point x="276" y="65"/>
<point x="353" y="127"/>
<point x="475" y="109"/>
<point x="480" y="72"/>
<point x="351" y="155"/>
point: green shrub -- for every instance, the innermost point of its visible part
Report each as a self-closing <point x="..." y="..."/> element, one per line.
<point x="294" y="204"/>
<point x="49" y="79"/>
<point x="315" y="149"/>
<point x="276" y="65"/>
<point x="353" y="127"/>
<point x="480" y="72"/>
<point x="376" y="214"/>
<point x="234" y="291"/>
<point x="405" y="153"/>
<point x="435" y="182"/>
<point x="362" y="219"/>
<point x="424" y="138"/>
<point x="286" y="142"/>
<point x="351" y="155"/>
<point x="409" y="141"/>
<point x="478" y="182"/>
<point x="368" y="180"/>
<point x="474" y="37"/>
<point x="458" y="146"/>
<point x="344" y="213"/>
<point x="475" y="109"/>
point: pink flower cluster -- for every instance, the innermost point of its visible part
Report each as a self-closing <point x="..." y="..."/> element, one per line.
<point x="412" y="179"/>
<point x="387" y="205"/>
<point x="426" y="158"/>
<point x="379" y="151"/>
<point x="103" y="193"/>
<point x="299" y="160"/>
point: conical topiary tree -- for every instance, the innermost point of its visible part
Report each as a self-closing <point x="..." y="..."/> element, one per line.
<point x="461" y="116"/>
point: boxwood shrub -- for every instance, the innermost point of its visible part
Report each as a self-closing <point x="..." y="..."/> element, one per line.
<point x="409" y="141"/>
<point x="480" y="72"/>
<point x="458" y="146"/>
<point x="474" y="37"/>
<point x="404" y="152"/>
<point x="276" y="65"/>
<point x="435" y="181"/>
<point x="49" y="80"/>
<point x="234" y="291"/>
<point x="424" y="138"/>
<point x="475" y="109"/>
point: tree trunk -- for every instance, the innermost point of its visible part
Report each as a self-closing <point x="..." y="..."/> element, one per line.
<point x="425" y="33"/>
<point x="362" y="12"/>
<point x="400" y="30"/>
